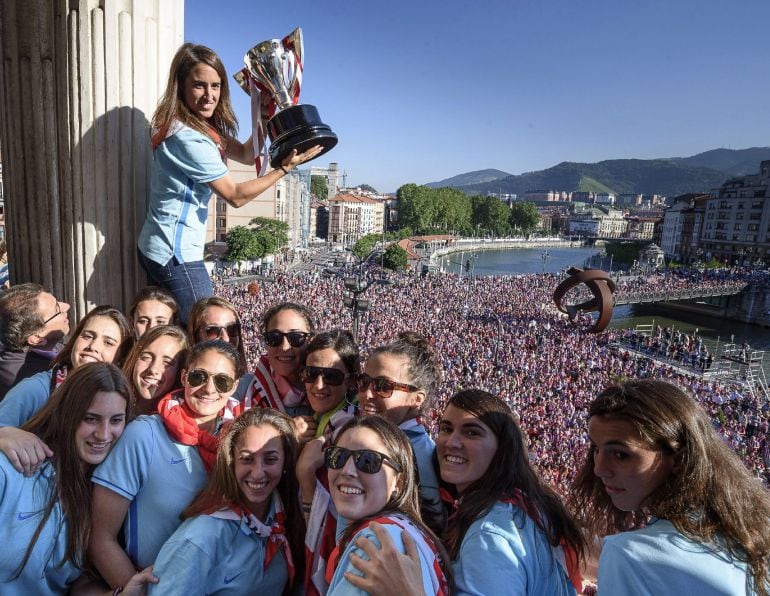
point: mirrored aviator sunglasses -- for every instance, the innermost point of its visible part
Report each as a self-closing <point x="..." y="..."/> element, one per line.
<point x="365" y="460"/>
<point x="222" y="382"/>
<point x="296" y="339"/>
<point x="331" y="376"/>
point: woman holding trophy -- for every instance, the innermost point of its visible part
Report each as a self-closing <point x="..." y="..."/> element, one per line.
<point x="194" y="130"/>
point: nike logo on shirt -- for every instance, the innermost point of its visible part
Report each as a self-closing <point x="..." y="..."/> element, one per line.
<point x="23" y="516"/>
<point x="178" y="460"/>
<point x="230" y="579"/>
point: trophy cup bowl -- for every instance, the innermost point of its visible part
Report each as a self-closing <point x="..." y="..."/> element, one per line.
<point x="275" y="66"/>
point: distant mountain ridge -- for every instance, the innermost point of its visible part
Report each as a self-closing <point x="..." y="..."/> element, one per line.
<point x="477" y="177"/>
<point x="667" y="176"/>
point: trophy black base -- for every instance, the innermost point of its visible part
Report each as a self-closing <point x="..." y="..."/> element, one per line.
<point x="298" y="127"/>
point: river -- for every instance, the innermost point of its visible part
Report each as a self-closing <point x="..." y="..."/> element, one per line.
<point x="530" y="260"/>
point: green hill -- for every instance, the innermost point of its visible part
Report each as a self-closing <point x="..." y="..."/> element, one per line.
<point x="647" y="176"/>
<point x="588" y="184"/>
<point x="477" y="177"/>
<point x="671" y="176"/>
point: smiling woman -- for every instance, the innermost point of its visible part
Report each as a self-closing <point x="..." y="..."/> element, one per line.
<point x="194" y="132"/>
<point x="169" y="457"/>
<point x="249" y="506"/>
<point x="372" y="478"/>
<point x="153" y="364"/>
<point x="508" y="527"/>
<point x="103" y="335"/>
<point x="46" y="521"/>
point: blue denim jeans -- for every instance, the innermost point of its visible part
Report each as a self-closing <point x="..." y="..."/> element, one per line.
<point x="188" y="282"/>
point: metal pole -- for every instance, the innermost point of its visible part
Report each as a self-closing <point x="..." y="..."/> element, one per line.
<point x="356" y="317"/>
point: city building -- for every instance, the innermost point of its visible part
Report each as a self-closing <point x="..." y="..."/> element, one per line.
<point x="605" y="198"/>
<point x="629" y="200"/>
<point x="736" y="228"/>
<point x="599" y="222"/>
<point x="641" y="228"/>
<point x="288" y="200"/>
<point x="547" y="195"/>
<point x="352" y="216"/>
<point x="332" y="175"/>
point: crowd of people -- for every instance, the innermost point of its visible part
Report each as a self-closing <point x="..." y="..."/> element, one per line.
<point x="237" y="438"/>
<point x="503" y="334"/>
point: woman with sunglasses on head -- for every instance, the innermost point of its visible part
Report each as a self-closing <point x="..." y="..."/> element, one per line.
<point x="152" y="306"/>
<point x="162" y="462"/>
<point x="103" y="335"/>
<point x="46" y="520"/>
<point x="398" y="382"/>
<point x="152" y="366"/>
<point x="244" y="533"/>
<point x="372" y="478"/>
<point x="680" y="511"/>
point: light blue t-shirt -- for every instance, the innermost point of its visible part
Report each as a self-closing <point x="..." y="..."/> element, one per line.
<point x="22" y="503"/>
<point x="25" y="399"/>
<point x="208" y="555"/>
<point x="159" y="476"/>
<point x="504" y="553"/>
<point x="659" y="560"/>
<point x="340" y="586"/>
<point x="175" y="225"/>
<point x="424" y="448"/>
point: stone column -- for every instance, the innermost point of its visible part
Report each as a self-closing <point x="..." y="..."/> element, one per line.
<point x="79" y="81"/>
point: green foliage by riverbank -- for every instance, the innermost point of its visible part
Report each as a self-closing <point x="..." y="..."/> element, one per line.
<point x="447" y="210"/>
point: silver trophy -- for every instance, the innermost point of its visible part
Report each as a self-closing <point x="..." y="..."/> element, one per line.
<point x="273" y="78"/>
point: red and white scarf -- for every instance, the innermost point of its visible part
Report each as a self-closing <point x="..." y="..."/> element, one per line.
<point x="270" y="390"/>
<point x="425" y="546"/>
<point x="275" y="533"/>
<point x="179" y="420"/>
<point x="321" y="536"/>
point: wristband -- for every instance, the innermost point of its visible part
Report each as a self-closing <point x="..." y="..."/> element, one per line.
<point x="284" y="170"/>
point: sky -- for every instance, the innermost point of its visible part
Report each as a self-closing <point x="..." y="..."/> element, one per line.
<point x="423" y="90"/>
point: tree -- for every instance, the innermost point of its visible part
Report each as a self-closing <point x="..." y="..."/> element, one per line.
<point x="271" y="234"/>
<point x="524" y="216"/>
<point x="319" y="187"/>
<point x="395" y="258"/>
<point x="491" y="214"/>
<point x="365" y="244"/>
<point x="242" y="245"/>
<point x="367" y="188"/>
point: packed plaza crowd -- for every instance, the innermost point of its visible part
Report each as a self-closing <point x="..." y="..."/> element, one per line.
<point x="505" y="335"/>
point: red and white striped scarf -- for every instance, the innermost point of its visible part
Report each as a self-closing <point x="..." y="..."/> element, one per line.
<point x="275" y="533"/>
<point x="265" y="392"/>
<point x="425" y="546"/>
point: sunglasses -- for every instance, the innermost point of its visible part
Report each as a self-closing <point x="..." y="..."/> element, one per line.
<point x="296" y="339"/>
<point x="331" y="376"/>
<point x="381" y="386"/>
<point x="222" y="382"/>
<point x="365" y="460"/>
<point x="215" y="331"/>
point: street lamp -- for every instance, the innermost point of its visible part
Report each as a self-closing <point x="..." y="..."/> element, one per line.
<point x="356" y="286"/>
